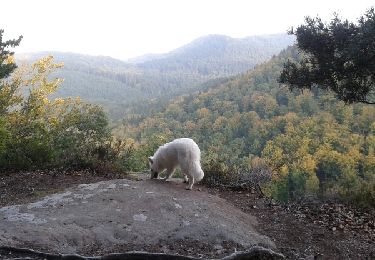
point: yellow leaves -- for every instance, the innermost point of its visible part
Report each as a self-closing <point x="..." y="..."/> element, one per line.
<point x="129" y="142"/>
<point x="289" y="128"/>
<point x="121" y="147"/>
<point x="369" y="165"/>
<point x="41" y="87"/>
<point x="46" y="65"/>
<point x="44" y="100"/>
<point x="312" y="184"/>
<point x="284" y="170"/>
<point x="53" y="121"/>
<point x="36" y="105"/>
<point x="325" y="152"/>
<point x="273" y="156"/>
<point x="257" y="162"/>
<point x="366" y="118"/>
<point x="264" y="104"/>
<point x="372" y="128"/>
<point x="302" y="147"/>
<point x="174" y="109"/>
<point x="203" y="112"/>
<point x="59" y="101"/>
<point x="338" y="163"/>
<point x="307" y="164"/>
<point x="371" y="144"/>
<point x="219" y="123"/>
<point x="190" y="125"/>
<point x="9" y="60"/>
<point x="41" y="71"/>
<point x="354" y="155"/>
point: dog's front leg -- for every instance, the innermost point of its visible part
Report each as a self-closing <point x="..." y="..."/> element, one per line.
<point x="186" y="180"/>
<point x="169" y="173"/>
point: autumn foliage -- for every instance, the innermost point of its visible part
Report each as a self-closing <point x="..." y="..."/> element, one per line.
<point x="310" y="143"/>
<point x="41" y="132"/>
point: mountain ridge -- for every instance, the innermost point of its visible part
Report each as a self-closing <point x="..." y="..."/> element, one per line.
<point x="201" y="40"/>
<point x="114" y="83"/>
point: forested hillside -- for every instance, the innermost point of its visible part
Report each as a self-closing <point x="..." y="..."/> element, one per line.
<point x="312" y="143"/>
<point x="114" y="83"/>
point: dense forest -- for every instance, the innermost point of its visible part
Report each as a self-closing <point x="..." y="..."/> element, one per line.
<point x="116" y="84"/>
<point x="310" y="143"/>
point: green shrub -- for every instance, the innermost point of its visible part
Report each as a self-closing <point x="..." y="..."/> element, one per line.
<point x="37" y="132"/>
<point x="4" y="135"/>
<point x="365" y="194"/>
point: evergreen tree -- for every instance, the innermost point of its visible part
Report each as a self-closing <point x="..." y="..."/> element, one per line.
<point x="6" y="64"/>
<point x="339" y="56"/>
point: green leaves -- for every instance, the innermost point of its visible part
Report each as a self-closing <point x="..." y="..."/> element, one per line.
<point x="7" y="65"/>
<point x="339" y="58"/>
<point x="45" y="133"/>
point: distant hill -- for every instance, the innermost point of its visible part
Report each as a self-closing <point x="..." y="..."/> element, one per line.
<point x="219" y="55"/>
<point x="115" y="83"/>
<point x="146" y="58"/>
<point x="93" y="78"/>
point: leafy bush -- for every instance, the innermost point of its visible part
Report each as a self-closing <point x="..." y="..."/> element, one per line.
<point x="126" y="154"/>
<point x="41" y="133"/>
<point x="78" y="130"/>
<point x="3" y="137"/>
<point x="364" y="194"/>
<point x="253" y="174"/>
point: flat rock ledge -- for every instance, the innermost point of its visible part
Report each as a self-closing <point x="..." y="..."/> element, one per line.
<point x="117" y="212"/>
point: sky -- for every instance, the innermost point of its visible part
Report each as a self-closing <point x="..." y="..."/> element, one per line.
<point x="124" y="29"/>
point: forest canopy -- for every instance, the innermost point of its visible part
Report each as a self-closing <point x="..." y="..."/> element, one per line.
<point x="311" y="143"/>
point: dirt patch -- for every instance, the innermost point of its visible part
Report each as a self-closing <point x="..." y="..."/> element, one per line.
<point x="24" y="187"/>
<point x="311" y="230"/>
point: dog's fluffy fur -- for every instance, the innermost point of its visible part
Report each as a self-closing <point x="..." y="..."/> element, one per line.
<point x="183" y="152"/>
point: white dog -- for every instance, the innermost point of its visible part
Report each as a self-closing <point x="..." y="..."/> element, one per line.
<point x="183" y="152"/>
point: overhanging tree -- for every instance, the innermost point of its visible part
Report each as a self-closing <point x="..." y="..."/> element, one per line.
<point x="6" y="66"/>
<point x="339" y="56"/>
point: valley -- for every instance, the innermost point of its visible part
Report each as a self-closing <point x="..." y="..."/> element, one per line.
<point x="117" y="84"/>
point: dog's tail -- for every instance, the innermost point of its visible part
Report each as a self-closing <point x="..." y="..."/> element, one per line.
<point x="199" y="174"/>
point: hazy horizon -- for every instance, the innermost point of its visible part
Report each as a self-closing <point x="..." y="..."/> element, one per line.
<point x="144" y="54"/>
<point x="128" y="29"/>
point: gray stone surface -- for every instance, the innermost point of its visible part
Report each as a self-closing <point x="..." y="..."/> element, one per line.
<point x="125" y="211"/>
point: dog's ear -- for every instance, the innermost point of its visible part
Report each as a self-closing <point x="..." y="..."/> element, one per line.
<point x="150" y="160"/>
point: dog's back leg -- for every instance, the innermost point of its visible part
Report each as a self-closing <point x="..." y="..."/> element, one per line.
<point x="191" y="183"/>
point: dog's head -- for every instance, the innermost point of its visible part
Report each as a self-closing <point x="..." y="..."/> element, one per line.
<point x="154" y="173"/>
